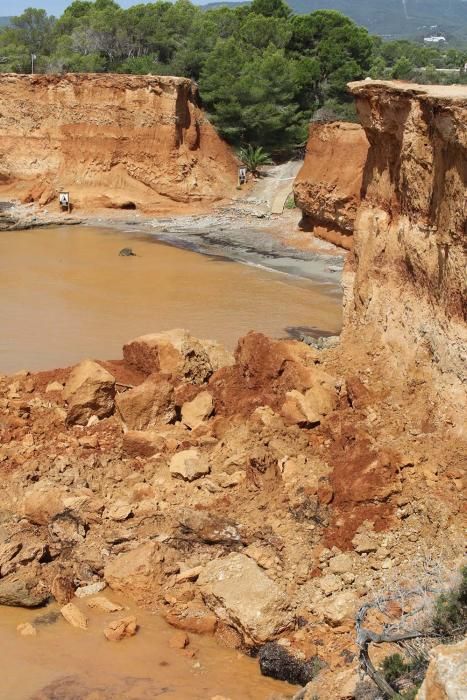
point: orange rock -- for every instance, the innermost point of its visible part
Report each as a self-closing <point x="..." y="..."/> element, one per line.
<point x="179" y="640"/>
<point x="62" y="589"/>
<point x="89" y="391"/>
<point x="327" y="188"/>
<point x="194" y="617"/>
<point x="74" y="616"/>
<point x="120" y="629"/>
<point x="325" y="493"/>
<point x="143" y="443"/>
<point x="147" y="404"/>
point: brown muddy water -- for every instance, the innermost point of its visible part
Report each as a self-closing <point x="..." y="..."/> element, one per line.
<point x="65" y="663"/>
<point x="66" y="294"/>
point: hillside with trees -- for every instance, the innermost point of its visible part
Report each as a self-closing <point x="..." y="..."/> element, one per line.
<point x="397" y="18"/>
<point x="263" y="71"/>
<point x="391" y="18"/>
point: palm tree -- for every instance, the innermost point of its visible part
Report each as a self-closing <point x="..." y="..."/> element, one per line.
<point x="254" y="157"/>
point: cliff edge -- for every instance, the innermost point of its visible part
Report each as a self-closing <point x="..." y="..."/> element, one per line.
<point x="405" y="291"/>
<point x="115" y="141"/>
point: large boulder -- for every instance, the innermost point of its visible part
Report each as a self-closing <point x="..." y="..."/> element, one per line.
<point x="209" y="528"/>
<point x="174" y="352"/>
<point x="241" y="594"/>
<point x="148" y="404"/>
<point x="90" y="390"/>
<point x="218" y="355"/>
<point x="446" y="678"/>
<point x="264" y="371"/>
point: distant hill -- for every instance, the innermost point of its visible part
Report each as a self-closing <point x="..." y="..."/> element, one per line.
<point x="396" y="17"/>
<point x="392" y="18"/>
<point x="4" y="21"/>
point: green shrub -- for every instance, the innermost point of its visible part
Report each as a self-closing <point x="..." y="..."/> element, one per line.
<point x="450" y="615"/>
<point x="393" y="667"/>
<point x="254" y="157"/>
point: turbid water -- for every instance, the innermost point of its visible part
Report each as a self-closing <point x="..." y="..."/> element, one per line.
<point x="64" y="663"/>
<point x="66" y="294"/>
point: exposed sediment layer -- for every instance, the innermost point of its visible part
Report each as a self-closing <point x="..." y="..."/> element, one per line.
<point x="110" y="140"/>
<point x="327" y="188"/>
<point x="406" y="288"/>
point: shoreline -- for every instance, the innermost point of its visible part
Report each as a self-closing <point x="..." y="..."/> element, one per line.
<point x="245" y="236"/>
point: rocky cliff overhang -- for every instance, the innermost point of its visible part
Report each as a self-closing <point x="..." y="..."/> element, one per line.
<point x="405" y="282"/>
<point x="110" y="140"/>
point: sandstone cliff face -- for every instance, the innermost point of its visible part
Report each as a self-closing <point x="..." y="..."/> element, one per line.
<point x="327" y="188"/>
<point x="111" y="140"/>
<point x="405" y="282"/>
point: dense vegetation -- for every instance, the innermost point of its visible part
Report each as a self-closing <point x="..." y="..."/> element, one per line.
<point x="263" y="72"/>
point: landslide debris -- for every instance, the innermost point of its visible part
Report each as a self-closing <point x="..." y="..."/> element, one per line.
<point x="299" y="520"/>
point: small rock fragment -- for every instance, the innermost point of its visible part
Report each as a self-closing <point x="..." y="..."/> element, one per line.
<point x="119" y="629"/>
<point x="118" y="511"/>
<point x="89" y="441"/>
<point x="143" y="443"/>
<point x="53" y="386"/>
<point x="364" y="544"/>
<point x="339" y="608"/>
<point x="188" y="465"/>
<point x="26" y="629"/>
<point x="62" y="589"/>
<point x="196" y="411"/>
<point x="228" y="480"/>
<point x="341" y="564"/>
<point x="189" y="574"/>
<point x="179" y="640"/>
<point x="74" y="616"/>
<point x="103" y="604"/>
<point x="90" y="589"/>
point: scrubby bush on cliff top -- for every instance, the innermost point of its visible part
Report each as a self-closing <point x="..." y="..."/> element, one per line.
<point x="263" y="72"/>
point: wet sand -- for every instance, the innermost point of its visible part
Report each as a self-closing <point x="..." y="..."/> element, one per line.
<point x="66" y="294"/>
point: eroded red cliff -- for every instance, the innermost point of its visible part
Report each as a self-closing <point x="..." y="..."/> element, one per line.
<point x="405" y="282"/>
<point x="327" y="188"/>
<point x="111" y="140"/>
